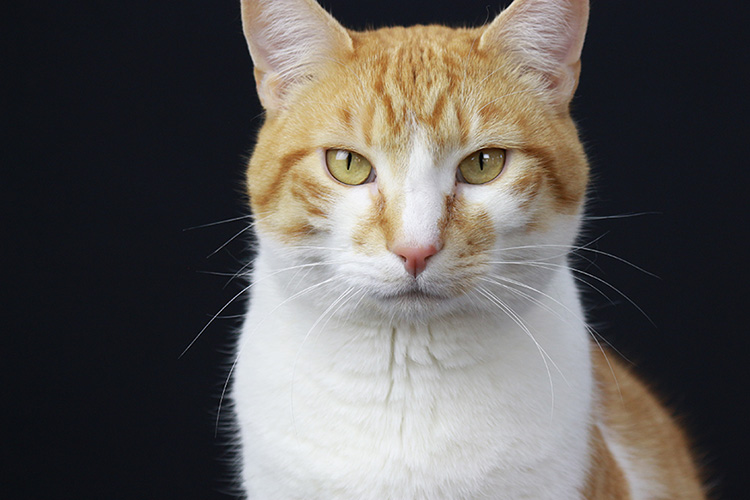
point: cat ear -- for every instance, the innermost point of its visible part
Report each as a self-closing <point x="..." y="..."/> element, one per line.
<point x="289" y="40"/>
<point x="546" y="37"/>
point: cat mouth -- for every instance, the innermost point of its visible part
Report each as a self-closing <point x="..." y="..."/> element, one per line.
<point x="415" y="294"/>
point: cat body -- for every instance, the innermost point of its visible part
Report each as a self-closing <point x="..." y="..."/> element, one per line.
<point x="414" y="330"/>
<point x="434" y="410"/>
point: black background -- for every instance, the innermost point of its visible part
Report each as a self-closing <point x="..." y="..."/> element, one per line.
<point x="126" y="123"/>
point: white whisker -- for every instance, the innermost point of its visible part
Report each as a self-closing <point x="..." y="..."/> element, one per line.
<point x="296" y="248"/>
<point x="595" y="336"/>
<point x="225" y="221"/>
<point x="620" y="216"/>
<point x="574" y="249"/>
<point x="323" y="315"/>
<point x="522" y="325"/>
<point x="589" y="275"/>
<point x="552" y="266"/>
<point x="213" y="318"/>
<point x="246" y="336"/>
<point x="245" y="289"/>
<point x="238" y="233"/>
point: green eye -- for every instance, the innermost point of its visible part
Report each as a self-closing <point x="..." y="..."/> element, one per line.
<point x="481" y="166"/>
<point x="348" y="167"/>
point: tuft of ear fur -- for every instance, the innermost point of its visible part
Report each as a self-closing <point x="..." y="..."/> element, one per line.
<point x="546" y="37"/>
<point x="288" y="41"/>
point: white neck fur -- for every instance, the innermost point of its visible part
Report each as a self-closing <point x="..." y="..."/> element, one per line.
<point x="464" y="407"/>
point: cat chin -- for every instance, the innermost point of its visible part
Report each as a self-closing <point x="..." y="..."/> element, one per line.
<point x="415" y="305"/>
<point x="412" y="307"/>
<point x="414" y="296"/>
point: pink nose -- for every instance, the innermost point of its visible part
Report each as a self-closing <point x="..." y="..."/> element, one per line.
<point x="415" y="258"/>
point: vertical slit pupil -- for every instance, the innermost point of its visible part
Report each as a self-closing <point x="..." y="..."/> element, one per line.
<point x="349" y="161"/>
<point x="481" y="161"/>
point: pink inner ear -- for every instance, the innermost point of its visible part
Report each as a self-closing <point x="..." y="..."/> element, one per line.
<point x="288" y="39"/>
<point x="546" y="36"/>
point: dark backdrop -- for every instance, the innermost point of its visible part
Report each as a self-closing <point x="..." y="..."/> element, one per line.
<point x="126" y="123"/>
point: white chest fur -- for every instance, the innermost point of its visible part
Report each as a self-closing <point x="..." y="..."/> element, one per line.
<point x="465" y="407"/>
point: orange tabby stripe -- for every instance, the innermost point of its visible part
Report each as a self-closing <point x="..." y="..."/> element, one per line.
<point x="431" y="77"/>
<point x="278" y="175"/>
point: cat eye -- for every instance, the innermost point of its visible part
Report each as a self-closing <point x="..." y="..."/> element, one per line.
<point x="481" y="166"/>
<point x="348" y="167"/>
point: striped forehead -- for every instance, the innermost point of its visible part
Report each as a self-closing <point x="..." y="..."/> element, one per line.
<point x="410" y="82"/>
<point x="418" y="164"/>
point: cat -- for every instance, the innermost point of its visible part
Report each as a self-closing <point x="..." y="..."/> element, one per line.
<point x="414" y="330"/>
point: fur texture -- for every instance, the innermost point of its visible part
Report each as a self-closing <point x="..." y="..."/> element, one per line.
<point x="358" y="377"/>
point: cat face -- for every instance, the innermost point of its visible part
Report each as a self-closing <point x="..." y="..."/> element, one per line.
<point x="413" y="173"/>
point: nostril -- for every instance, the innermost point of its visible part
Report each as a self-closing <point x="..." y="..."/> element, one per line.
<point x="415" y="257"/>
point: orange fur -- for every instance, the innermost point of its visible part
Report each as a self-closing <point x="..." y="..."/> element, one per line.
<point x="372" y="93"/>
<point x="655" y="442"/>
<point x="369" y="97"/>
<point x="606" y="480"/>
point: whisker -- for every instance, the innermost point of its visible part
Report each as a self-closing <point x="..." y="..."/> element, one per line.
<point x="217" y="273"/>
<point x="620" y="216"/>
<point x="325" y="313"/>
<point x="213" y="318"/>
<point x="292" y="249"/>
<point x="550" y="265"/>
<point x="619" y="259"/>
<point x="225" y="221"/>
<point x="245" y="289"/>
<point x="248" y="335"/>
<point x="585" y="248"/>
<point x="245" y="270"/>
<point x="544" y="245"/>
<point x="341" y="305"/>
<point x="518" y="321"/>
<point x="499" y="281"/>
<point x="231" y="316"/>
<point x="595" y="336"/>
<point x="247" y="228"/>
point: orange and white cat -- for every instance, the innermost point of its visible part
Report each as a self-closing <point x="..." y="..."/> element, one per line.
<point x="414" y="329"/>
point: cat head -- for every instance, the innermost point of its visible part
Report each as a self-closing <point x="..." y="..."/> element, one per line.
<point x="416" y="172"/>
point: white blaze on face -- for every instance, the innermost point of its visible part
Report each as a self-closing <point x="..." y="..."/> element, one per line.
<point x="424" y="191"/>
